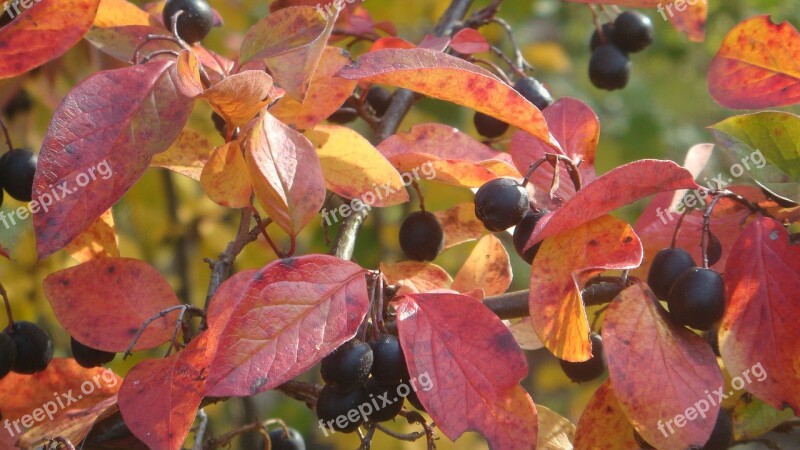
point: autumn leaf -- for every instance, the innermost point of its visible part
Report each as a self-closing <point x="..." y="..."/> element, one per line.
<point x="354" y="168"/>
<point x="460" y="224"/>
<point x="452" y="79"/>
<point x="469" y="41"/>
<point x="687" y="17"/>
<point x="114" y="13"/>
<point x="487" y="267"/>
<point x="114" y="120"/>
<point x="225" y="178"/>
<point x="756" y="66"/>
<point x="239" y="97"/>
<point x="74" y="426"/>
<point x="98" y="241"/>
<point x="474" y="377"/>
<point x="555" y="432"/>
<point x="285" y="172"/>
<point x="293" y="313"/>
<point x="563" y="264"/>
<point x="41" y="32"/>
<point x="752" y="417"/>
<point x="415" y="276"/>
<point x="604" y="413"/>
<point x="187" y="155"/>
<point x="682" y="372"/>
<point x="80" y="300"/>
<point x="758" y="332"/>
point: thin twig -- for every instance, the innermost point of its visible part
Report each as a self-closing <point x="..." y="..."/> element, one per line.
<point x="161" y="314"/>
<point x="199" y="435"/>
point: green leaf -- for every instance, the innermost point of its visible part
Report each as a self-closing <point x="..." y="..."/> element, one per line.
<point x="753" y="417"/>
<point x="767" y="146"/>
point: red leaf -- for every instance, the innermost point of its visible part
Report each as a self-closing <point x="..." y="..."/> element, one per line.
<point x="294" y="312"/>
<point x="469" y="41"/>
<point x="115" y="121"/>
<point x="563" y="264"/>
<point x="42" y="32"/>
<point x="159" y="398"/>
<point x="80" y="297"/>
<point x="759" y="329"/>
<point x="756" y="66"/>
<point x="448" y="78"/>
<point x="604" y="413"/>
<point x="285" y="172"/>
<point x="474" y="377"/>
<point x="659" y="370"/>
<point x="690" y="19"/>
<point x="612" y="190"/>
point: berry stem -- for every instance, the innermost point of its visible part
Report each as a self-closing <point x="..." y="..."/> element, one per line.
<point x="678" y="228"/>
<point x="494" y="67"/>
<point x="9" y="315"/>
<point x="262" y="227"/>
<point x="419" y="194"/>
<point x="520" y="64"/>
<point x="706" y="220"/>
<point x="8" y="137"/>
<point x="553" y="159"/>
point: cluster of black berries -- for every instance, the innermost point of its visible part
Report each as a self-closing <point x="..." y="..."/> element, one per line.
<point x="350" y="392"/>
<point x="194" y="22"/>
<point x="17" y="168"/>
<point x="695" y="295"/>
<point x="285" y="439"/>
<point x="24" y="348"/>
<point x="377" y="98"/>
<point x="609" y="66"/>
<point x="528" y="87"/>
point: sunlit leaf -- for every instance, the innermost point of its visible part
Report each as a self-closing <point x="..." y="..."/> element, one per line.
<point x="487" y="267"/>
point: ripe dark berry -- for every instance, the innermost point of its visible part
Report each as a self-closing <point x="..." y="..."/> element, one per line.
<point x="19" y="104"/>
<point x="488" y="126"/>
<point x="597" y="40"/>
<point x="381" y="393"/>
<point x="346" y="113"/>
<point x="697" y="298"/>
<point x="34" y="348"/>
<point x="348" y="366"/>
<point x="590" y="369"/>
<point x="389" y="366"/>
<point x="523" y="232"/>
<point x="641" y="442"/>
<point x="501" y="203"/>
<point x="714" y="249"/>
<point x="280" y="440"/>
<point x="379" y="99"/>
<point x="421" y="236"/>
<point x="534" y="92"/>
<point x="609" y="68"/>
<point x="194" y="22"/>
<point x="89" y="357"/>
<point x="667" y="266"/>
<point x="219" y="123"/>
<point x="633" y="31"/>
<point x="334" y="404"/>
<point x="722" y="435"/>
<point x="8" y="354"/>
<point x="17" y="169"/>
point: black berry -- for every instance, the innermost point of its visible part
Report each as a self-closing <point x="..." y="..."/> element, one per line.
<point x="34" y="348"/>
<point x="534" y="92"/>
<point x="386" y="397"/>
<point x="333" y="404"/>
<point x="697" y="298"/>
<point x="219" y="123"/>
<point x="714" y="249"/>
<point x="348" y="366"/>
<point x="389" y="364"/>
<point x="597" y="40"/>
<point x="633" y="31"/>
<point x="522" y="233"/>
<point x="722" y="435"/>
<point x="501" y="203"/>
<point x="8" y="354"/>
<point x="195" y="21"/>
<point x="379" y="99"/>
<point x="19" y="104"/>
<point x="89" y="357"/>
<point x="17" y="169"/>
<point x="609" y="68"/>
<point x="488" y="126"/>
<point x="667" y="266"/>
<point x="281" y="440"/>
<point x="590" y="369"/>
<point x="345" y="114"/>
<point x="421" y="236"/>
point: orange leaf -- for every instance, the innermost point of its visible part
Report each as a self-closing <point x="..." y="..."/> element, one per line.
<point x="239" y="97"/>
<point x="225" y="179"/>
<point x="474" y="377"/>
<point x="756" y="66"/>
<point x="42" y="32"/>
<point x="187" y="155"/>
<point x="74" y="426"/>
<point x="448" y="78"/>
<point x="189" y="82"/>
<point x="690" y="19"/>
<point x="604" y="413"/>
<point x="413" y="276"/>
<point x="286" y="174"/>
<point x="682" y="371"/>
<point x="759" y="329"/>
<point x="460" y="224"/>
<point x="114" y="13"/>
<point x="98" y="241"/>
<point x="487" y="267"/>
<point x="80" y="300"/>
<point x="562" y="266"/>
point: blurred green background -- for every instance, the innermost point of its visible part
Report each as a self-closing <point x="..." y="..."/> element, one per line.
<point x="166" y="220"/>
